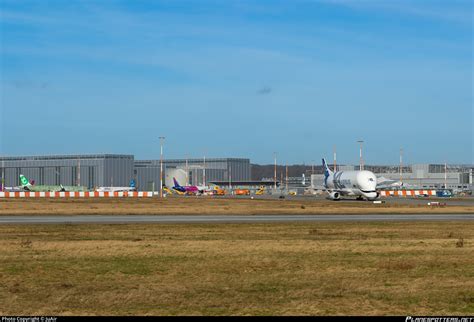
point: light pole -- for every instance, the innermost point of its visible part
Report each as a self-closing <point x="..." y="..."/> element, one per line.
<point x="187" y="171"/>
<point x="445" y="175"/>
<point x="275" y="174"/>
<point x="3" y="175"/>
<point x="162" y="138"/>
<point x="281" y="180"/>
<point x="204" y="172"/>
<point x="401" y="166"/>
<point x="78" y="172"/>
<point x="361" y="164"/>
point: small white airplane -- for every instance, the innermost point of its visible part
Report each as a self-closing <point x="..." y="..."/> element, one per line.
<point x="130" y="188"/>
<point x="350" y="183"/>
<point x="384" y="183"/>
<point x="10" y="189"/>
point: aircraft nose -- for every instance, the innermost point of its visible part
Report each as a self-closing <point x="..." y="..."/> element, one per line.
<point x="371" y="195"/>
<point x="366" y="181"/>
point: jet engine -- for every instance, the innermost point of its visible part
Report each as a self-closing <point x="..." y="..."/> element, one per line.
<point x="334" y="195"/>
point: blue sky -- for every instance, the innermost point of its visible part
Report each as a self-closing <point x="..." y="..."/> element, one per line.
<point x="239" y="79"/>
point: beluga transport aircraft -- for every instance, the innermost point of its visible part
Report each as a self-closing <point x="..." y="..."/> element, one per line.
<point x="350" y="183"/>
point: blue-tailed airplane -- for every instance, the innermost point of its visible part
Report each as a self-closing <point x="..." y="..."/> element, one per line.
<point x="131" y="187"/>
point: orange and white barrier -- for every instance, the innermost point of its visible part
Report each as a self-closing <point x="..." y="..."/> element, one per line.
<point x="407" y="193"/>
<point x="70" y="194"/>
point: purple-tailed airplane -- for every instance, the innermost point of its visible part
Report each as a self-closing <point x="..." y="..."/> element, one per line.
<point x="193" y="189"/>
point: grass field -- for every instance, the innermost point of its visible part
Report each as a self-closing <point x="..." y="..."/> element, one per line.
<point x="245" y="269"/>
<point x="204" y="206"/>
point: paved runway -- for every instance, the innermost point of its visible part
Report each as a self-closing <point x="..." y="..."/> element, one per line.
<point x="462" y="201"/>
<point x="111" y="219"/>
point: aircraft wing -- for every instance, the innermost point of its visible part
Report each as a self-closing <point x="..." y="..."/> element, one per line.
<point x="384" y="183"/>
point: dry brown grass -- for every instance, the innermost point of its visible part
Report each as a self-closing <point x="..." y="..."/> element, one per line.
<point x="246" y="269"/>
<point x="206" y="206"/>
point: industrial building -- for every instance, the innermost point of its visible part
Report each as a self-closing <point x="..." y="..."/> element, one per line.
<point x="198" y="171"/>
<point x="96" y="170"/>
<point x="90" y="170"/>
<point x="435" y="176"/>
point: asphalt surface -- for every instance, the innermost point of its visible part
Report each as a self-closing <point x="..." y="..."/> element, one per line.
<point x="111" y="219"/>
<point x="461" y="201"/>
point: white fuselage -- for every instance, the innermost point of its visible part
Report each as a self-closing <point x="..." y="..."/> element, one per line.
<point x="11" y="189"/>
<point x="116" y="189"/>
<point x="353" y="183"/>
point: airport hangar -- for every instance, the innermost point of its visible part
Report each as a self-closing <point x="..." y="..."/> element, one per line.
<point x="102" y="170"/>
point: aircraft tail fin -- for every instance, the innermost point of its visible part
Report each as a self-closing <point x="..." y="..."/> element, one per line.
<point x="176" y="184"/>
<point x="24" y="181"/>
<point x="325" y="165"/>
<point x="327" y="171"/>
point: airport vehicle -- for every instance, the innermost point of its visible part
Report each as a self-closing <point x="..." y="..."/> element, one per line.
<point x="218" y="191"/>
<point x="350" y="183"/>
<point x="168" y="190"/>
<point x="131" y="187"/>
<point x="444" y="193"/>
<point x="242" y="192"/>
<point x="188" y="189"/>
<point x="260" y="191"/>
<point x="27" y="186"/>
<point x="423" y="195"/>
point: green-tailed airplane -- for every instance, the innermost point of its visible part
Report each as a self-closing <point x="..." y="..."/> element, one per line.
<point x="26" y="185"/>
